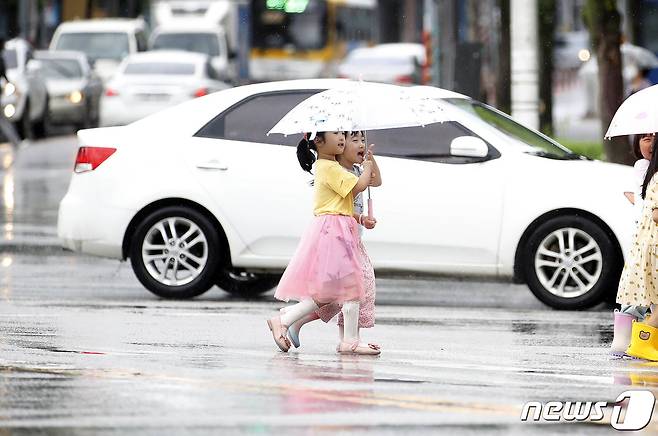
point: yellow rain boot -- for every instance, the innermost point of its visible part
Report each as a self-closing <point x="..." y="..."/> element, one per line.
<point x="644" y="342"/>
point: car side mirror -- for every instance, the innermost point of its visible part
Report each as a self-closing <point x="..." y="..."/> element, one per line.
<point x="469" y="146"/>
<point x="33" y="66"/>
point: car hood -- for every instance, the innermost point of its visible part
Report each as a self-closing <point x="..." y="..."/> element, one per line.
<point x="64" y="86"/>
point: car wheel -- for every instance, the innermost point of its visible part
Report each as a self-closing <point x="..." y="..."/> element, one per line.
<point x="42" y="126"/>
<point x="571" y="263"/>
<point x="246" y="284"/>
<point x="24" y="125"/>
<point x="175" y="253"/>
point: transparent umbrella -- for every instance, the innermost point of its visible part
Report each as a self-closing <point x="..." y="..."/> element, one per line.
<point x="636" y="114"/>
<point x="361" y="106"/>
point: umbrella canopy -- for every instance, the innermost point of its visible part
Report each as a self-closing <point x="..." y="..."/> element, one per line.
<point x="361" y="106"/>
<point x="636" y="115"/>
<point x="638" y="56"/>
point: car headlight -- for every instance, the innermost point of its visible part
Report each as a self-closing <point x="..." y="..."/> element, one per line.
<point x="584" y="55"/>
<point x="75" y="97"/>
<point x="10" y="111"/>
<point x="10" y="89"/>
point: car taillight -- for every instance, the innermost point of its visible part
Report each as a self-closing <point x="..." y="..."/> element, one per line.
<point x="89" y="158"/>
<point x="109" y="92"/>
<point x="404" y="79"/>
<point x="201" y="92"/>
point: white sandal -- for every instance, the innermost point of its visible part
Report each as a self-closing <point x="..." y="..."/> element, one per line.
<point x="357" y="348"/>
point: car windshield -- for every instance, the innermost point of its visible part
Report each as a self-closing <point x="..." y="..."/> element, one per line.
<point x="534" y="142"/>
<point x="10" y="58"/>
<point x="159" y="68"/>
<point x="61" y="68"/>
<point x="96" y="45"/>
<point x="206" y="43"/>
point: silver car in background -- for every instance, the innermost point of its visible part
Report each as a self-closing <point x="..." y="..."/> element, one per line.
<point x="24" y="99"/>
<point x="398" y="63"/>
<point x="74" y="90"/>
<point x="149" y="82"/>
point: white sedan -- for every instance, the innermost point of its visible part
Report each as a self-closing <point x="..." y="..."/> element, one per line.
<point x="149" y="82"/>
<point x="198" y="195"/>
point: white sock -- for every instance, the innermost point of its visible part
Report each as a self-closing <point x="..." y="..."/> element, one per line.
<point x="351" y="321"/>
<point x="297" y="312"/>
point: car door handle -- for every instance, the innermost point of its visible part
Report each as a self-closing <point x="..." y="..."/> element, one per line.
<point x="212" y="165"/>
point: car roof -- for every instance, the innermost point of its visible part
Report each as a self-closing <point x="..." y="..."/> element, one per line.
<point x="205" y="108"/>
<point x="392" y="50"/>
<point x="16" y="43"/>
<point x="189" y="26"/>
<point x="60" y="54"/>
<point x="171" y="56"/>
<point x="102" y="25"/>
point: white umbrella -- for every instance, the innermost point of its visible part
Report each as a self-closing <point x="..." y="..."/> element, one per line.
<point x="359" y="106"/>
<point x="636" y="114"/>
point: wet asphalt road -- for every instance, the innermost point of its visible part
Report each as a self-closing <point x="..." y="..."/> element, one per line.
<point x="84" y="349"/>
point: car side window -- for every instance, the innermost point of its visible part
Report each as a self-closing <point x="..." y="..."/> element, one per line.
<point x="429" y="143"/>
<point x="251" y="119"/>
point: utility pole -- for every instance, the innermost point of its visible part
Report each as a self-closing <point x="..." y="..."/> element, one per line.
<point x="525" y="83"/>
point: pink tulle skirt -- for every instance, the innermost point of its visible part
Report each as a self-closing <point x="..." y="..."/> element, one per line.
<point x="326" y="265"/>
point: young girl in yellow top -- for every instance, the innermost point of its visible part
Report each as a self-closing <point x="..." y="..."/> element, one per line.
<point x="326" y="266"/>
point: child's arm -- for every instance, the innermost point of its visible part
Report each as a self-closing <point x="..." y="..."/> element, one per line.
<point x="655" y="215"/>
<point x="376" y="175"/>
<point x="364" y="179"/>
<point x="630" y="196"/>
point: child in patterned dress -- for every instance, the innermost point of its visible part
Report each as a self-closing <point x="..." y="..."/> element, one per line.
<point x="624" y="317"/>
<point x="352" y="157"/>
<point x="638" y="285"/>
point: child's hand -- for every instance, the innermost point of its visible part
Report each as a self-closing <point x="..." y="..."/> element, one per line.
<point x="655" y="215"/>
<point x="369" y="223"/>
<point x="369" y="155"/>
<point x="367" y="165"/>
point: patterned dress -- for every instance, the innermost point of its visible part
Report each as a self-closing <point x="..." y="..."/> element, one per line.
<point x="638" y="285"/>
<point x="367" y="304"/>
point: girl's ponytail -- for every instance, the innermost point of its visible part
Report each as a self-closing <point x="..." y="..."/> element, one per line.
<point x="304" y="154"/>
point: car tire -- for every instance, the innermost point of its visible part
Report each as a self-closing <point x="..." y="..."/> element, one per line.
<point x="244" y="284"/>
<point x="24" y="125"/>
<point x="42" y="126"/>
<point x="178" y="265"/>
<point x="571" y="263"/>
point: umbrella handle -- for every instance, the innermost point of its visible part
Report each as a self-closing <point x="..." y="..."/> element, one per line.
<point x="370" y="212"/>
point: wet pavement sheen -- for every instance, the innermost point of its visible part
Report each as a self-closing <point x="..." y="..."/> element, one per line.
<point x="84" y="349"/>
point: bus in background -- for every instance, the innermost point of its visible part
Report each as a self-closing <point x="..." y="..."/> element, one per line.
<point x="302" y="39"/>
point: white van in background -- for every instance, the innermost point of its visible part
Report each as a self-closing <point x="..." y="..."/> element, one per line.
<point x="222" y="13"/>
<point x="201" y="38"/>
<point x="106" y="42"/>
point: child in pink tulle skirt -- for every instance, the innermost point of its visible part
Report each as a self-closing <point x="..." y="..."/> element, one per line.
<point x="351" y="158"/>
<point x="326" y="267"/>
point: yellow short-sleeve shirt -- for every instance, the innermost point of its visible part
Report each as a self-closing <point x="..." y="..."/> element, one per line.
<point x="333" y="189"/>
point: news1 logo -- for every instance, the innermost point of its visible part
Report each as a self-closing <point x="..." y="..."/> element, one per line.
<point x="638" y="409"/>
